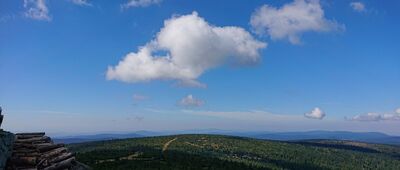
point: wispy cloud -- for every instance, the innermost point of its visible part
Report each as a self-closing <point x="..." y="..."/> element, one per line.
<point x="81" y="2"/>
<point x="191" y="83"/>
<point x="136" y="118"/>
<point x="368" y="117"/>
<point x="37" y="9"/>
<point x="254" y="115"/>
<point x="190" y="101"/>
<point x="292" y="20"/>
<point x="316" y="113"/>
<point x="358" y="6"/>
<point x="7" y="17"/>
<point x="140" y="3"/>
<point x="139" y="97"/>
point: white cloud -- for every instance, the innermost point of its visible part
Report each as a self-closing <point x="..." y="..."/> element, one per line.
<point x="81" y="2"/>
<point x="389" y="116"/>
<point x="190" y="101"/>
<point x="367" y="117"/>
<point x="37" y="9"/>
<point x="138" y="97"/>
<point x="192" y="46"/>
<point x="357" y="6"/>
<point x="191" y="83"/>
<point x="292" y="20"/>
<point x="139" y="3"/>
<point x="377" y="116"/>
<point x="317" y="113"/>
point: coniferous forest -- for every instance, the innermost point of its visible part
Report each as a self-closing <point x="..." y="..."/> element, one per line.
<point x="226" y="152"/>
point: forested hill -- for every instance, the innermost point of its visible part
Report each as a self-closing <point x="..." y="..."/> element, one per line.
<point x="226" y="152"/>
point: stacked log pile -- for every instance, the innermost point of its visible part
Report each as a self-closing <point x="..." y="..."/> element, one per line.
<point x="37" y="151"/>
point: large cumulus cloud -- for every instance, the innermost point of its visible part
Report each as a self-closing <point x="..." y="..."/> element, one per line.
<point x="191" y="46"/>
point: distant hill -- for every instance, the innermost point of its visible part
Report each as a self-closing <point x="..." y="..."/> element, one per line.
<point x="370" y="137"/>
<point x="97" y="137"/>
<point x="227" y="152"/>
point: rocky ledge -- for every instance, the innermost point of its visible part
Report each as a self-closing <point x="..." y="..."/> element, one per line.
<point x="6" y="143"/>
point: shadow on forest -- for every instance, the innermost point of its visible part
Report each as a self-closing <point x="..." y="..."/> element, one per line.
<point x="339" y="146"/>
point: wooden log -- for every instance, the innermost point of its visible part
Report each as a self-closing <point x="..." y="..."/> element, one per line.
<point x="36" y="154"/>
<point x="24" y="160"/>
<point x="25" y="151"/>
<point x="45" y="148"/>
<point x="54" y="152"/>
<point x="43" y="163"/>
<point x="61" y="165"/>
<point x="26" y="168"/>
<point x="27" y="136"/>
<point x="35" y="139"/>
<point x="61" y="157"/>
<point x="24" y="146"/>
<point x="44" y="144"/>
<point x="31" y="133"/>
<point x="41" y="142"/>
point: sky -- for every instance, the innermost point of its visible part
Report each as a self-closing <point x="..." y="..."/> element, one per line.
<point x="88" y="66"/>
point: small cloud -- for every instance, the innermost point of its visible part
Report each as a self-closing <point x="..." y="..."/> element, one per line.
<point x="317" y="113"/>
<point x="292" y="20"/>
<point x="139" y="118"/>
<point x="136" y="118"/>
<point x="37" y="9"/>
<point x="190" y="101"/>
<point x="358" y="6"/>
<point x="191" y="83"/>
<point x="398" y="111"/>
<point x="7" y="17"/>
<point x="138" y="97"/>
<point x="81" y="2"/>
<point x="140" y="3"/>
<point x="367" y="117"/>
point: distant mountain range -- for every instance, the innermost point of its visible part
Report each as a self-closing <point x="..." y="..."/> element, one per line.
<point x="370" y="137"/>
<point x="96" y="137"/>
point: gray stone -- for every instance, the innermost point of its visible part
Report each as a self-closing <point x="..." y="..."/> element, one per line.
<point x="6" y="144"/>
<point x="1" y="117"/>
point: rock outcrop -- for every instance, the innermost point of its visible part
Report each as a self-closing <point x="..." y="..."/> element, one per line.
<point x="1" y="117"/>
<point x="6" y="144"/>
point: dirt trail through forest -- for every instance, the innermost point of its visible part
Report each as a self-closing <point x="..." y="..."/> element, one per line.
<point x="165" y="147"/>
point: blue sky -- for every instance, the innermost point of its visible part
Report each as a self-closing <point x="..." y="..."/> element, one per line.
<point x="280" y="66"/>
